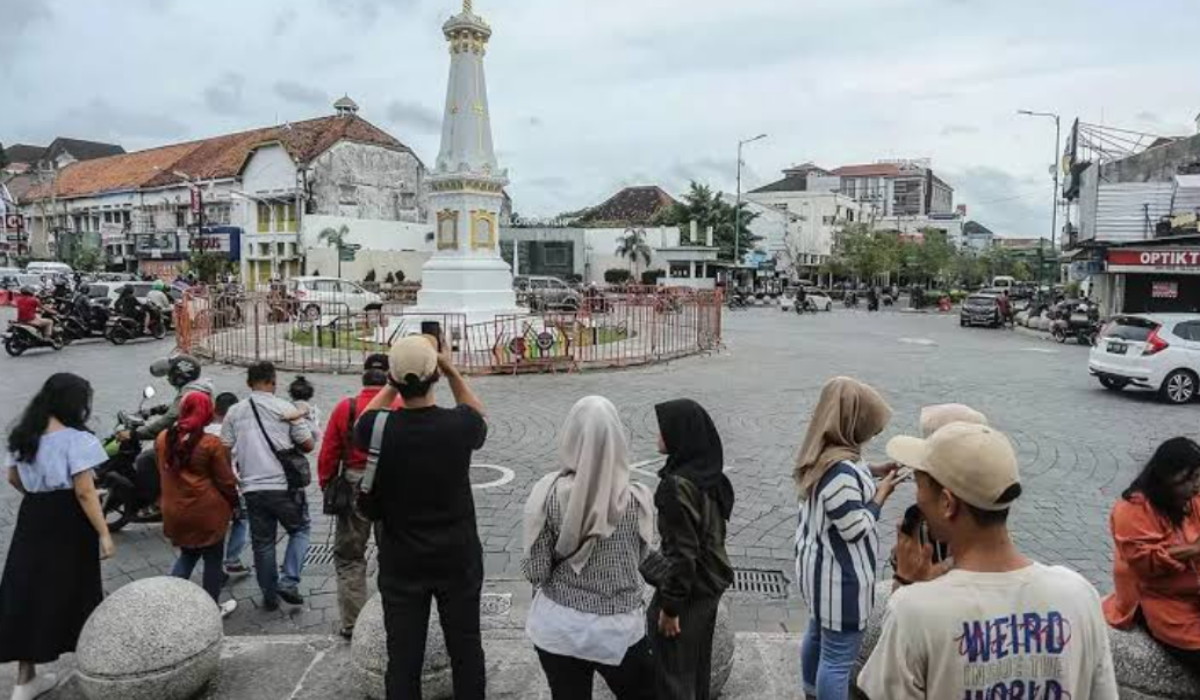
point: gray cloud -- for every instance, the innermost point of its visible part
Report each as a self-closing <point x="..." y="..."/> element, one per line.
<point x="702" y="170"/>
<point x="225" y="96"/>
<point x="366" y="11"/>
<point x="535" y="122"/>
<point x="19" y="17"/>
<point x="413" y="115"/>
<point x="292" y="91"/>
<point x="959" y="129"/>
<point x="283" y="22"/>
<point x="101" y="121"/>
<point x="1006" y="203"/>
<point x="1149" y="117"/>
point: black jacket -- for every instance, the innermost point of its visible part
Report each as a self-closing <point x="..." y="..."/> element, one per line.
<point x="693" y="541"/>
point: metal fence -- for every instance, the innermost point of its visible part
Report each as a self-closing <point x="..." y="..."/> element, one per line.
<point x="611" y="329"/>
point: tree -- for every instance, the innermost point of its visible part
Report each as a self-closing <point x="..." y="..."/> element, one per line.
<point x="704" y="207"/>
<point x="616" y="275"/>
<point x="209" y="266"/>
<point x="3" y="157"/>
<point x="1021" y="271"/>
<point x="370" y="275"/>
<point x="934" y="255"/>
<point x="86" y="259"/>
<point x="336" y="238"/>
<point x="633" y="247"/>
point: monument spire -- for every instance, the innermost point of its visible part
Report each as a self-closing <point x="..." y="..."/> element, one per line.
<point x="467" y="7"/>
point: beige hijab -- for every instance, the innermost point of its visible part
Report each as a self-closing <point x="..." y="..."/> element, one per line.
<point x="593" y="485"/>
<point x="848" y="414"/>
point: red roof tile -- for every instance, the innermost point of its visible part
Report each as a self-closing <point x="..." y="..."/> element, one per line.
<point x="869" y="170"/>
<point x="632" y="206"/>
<point x="215" y="158"/>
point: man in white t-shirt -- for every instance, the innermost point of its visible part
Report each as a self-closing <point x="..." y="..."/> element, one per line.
<point x="998" y="625"/>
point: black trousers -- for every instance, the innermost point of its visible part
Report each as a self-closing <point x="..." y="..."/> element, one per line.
<point x="571" y="678"/>
<point x="1189" y="657"/>
<point x="406" y="620"/>
<point x="683" y="665"/>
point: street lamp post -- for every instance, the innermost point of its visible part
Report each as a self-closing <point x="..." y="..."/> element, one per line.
<point x="737" y="207"/>
<point x="1054" y="201"/>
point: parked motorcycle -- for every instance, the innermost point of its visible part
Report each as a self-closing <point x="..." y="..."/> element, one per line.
<point x="1081" y="323"/>
<point x="850" y="300"/>
<point x="21" y="337"/>
<point x="737" y="302"/>
<point x="116" y="479"/>
<point x="122" y="329"/>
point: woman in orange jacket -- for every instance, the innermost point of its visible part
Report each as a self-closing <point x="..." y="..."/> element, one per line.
<point x="1156" y="529"/>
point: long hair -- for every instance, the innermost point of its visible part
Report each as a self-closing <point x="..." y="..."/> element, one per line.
<point x="66" y="397"/>
<point x="1173" y="461"/>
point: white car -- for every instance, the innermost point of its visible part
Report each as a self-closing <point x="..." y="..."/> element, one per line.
<point x="317" y="296"/>
<point x="1160" y="352"/>
<point x="817" y="299"/>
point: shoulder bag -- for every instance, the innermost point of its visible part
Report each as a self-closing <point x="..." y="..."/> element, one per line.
<point x="295" y="464"/>
<point x="339" y="494"/>
<point x="369" y="503"/>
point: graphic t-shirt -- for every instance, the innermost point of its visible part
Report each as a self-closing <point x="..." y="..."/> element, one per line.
<point x="1036" y="634"/>
<point x="27" y="308"/>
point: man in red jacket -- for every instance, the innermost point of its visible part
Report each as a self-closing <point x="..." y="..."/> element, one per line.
<point x="340" y="458"/>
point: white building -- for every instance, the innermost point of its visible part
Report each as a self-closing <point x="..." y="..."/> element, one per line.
<point x="264" y="197"/>
<point x="809" y="195"/>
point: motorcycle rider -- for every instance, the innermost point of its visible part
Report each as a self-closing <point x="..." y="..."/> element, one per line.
<point x="157" y="301"/>
<point x="28" y="312"/>
<point x="183" y="373"/>
<point x="127" y="305"/>
<point x="801" y="298"/>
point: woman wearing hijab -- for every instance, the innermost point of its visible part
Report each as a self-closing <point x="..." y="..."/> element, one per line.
<point x="587" y="528"/>
<point x="199" y="493"/>
<point x="837" y="548"/>
<point x="694" y="501"/>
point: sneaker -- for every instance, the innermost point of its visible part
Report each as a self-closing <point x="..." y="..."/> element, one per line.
<point x="291" y="596"/>
<point x="237" y="569"/>
<point x="270" y="605"/>
<point x="40" y="685"/>
<point x="347" y="632"/>
<point x="227" y="608"/>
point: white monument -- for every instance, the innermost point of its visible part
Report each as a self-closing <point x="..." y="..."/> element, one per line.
<point x="466" y="274"/>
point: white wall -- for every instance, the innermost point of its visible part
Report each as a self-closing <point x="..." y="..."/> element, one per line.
<point x="371" y="234"/>
<point x="822" y="214"/>
<point x="270" y="170"/>
<point x="324" y="260"/>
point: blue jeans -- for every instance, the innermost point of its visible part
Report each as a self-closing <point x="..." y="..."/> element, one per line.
<point x="827" y="660"/>
<point x="268" y="510"/>
<point x="239" y="533"/>
<point x="186" y="563"/>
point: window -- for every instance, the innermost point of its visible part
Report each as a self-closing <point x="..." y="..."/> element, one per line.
<point x="181" y="218"/>
<point x="264" y="217"/>
<point x="1189" y="330"/>
<point x="827" y="220"/>
<point x="408" y="200"/>
<point x="288" y="221"/>
<point x="557" y="255"/>
<point x="326" y="286"/>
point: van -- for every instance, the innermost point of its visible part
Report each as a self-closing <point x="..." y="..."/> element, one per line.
<point x="1004" y="283"/>
<point x="48" y="268"/>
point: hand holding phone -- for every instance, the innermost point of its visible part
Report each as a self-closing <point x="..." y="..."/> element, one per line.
<point x="434" y="330"/>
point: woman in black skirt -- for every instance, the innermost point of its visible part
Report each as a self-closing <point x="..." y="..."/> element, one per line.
<point x="52" y="576"/>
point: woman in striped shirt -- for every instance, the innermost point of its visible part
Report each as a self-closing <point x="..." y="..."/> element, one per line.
<point x="837" y="547"/>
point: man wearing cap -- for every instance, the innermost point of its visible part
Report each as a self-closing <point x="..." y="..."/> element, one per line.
<point x="428" y="543"/>
<point x="341" y="459"/>
<point x="997" y="624"/>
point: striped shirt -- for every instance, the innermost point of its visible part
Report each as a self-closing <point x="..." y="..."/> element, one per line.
<point x="837" y="548"/>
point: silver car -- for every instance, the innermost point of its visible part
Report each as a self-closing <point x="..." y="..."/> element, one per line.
<point x="546" y="293"/>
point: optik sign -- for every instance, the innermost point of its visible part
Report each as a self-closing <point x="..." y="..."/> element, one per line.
<point x="1154" y="260"/>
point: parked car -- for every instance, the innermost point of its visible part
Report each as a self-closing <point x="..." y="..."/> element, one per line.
<point x="547" y="293"/>
<point x="817" y="299"/>
<point x="48" y="268"/>
<point x="1160" y="352"/>
<point x="329" y="295"/>
<point x="981" y="310"/>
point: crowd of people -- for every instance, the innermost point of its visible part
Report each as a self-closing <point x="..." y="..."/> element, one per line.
<point x="969" y="615"/>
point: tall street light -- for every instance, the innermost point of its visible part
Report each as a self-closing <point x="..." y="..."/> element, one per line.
<point x="1054" y="201"/>
<point x="737" y="207"/>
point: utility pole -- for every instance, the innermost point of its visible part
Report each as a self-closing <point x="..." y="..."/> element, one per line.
<point x="1054" y="199"/>
<point x="737" y="207"/>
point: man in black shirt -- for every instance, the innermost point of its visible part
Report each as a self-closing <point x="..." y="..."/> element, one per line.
<point x="428" y="543"/>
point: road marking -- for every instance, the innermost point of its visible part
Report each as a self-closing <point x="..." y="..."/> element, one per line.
<point x="918" y="341"/>
<point x="506" y="475"/>
<point x="1044" y="351"/>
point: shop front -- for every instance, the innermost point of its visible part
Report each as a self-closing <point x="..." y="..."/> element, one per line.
<point x="1152" y="279"/>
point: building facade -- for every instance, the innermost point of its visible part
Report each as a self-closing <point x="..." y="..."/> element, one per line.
<point x="245" y="195"/>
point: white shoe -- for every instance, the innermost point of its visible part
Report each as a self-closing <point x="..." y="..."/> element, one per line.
<point x="39" y="685"/>
<point x="227" y="608"/>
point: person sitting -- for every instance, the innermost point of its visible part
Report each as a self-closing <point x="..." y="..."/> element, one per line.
<point x="157" y="302"/>
<point x="29" y="313"/>
<point x="1156" y="530"/>
<point x="128" y="306"/>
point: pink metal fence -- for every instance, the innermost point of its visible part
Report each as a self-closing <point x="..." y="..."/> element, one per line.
<point x="612" y="329"/>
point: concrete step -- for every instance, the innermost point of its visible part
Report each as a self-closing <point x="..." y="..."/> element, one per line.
<point x="766" y="667"/>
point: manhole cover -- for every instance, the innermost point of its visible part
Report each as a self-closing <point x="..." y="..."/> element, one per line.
<point x="495" y="604"/>
<point x="771" y="584"/>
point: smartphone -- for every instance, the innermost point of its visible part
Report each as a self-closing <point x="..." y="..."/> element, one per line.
<point x="433" y="328"/>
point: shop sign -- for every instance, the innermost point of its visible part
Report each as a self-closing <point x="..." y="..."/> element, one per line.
<point x="1164" y="290"/>
<point x="1154" y="260"/>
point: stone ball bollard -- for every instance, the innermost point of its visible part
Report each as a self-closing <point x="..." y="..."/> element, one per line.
<point x="369" y="657"/>
<point x="154" y="639"/>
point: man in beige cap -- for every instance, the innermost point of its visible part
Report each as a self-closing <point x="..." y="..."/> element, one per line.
<point x="997" y="624"/>
<point x="428" y="542"/>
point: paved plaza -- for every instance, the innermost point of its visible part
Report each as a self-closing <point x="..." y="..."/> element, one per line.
<point x="1079" y="444"/>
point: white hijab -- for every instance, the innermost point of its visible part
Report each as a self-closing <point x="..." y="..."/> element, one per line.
<point x="593" y="485"/>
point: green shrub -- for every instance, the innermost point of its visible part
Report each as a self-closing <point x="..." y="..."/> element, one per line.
<point x="617" y="275"/>
<point x="651" y="276"/>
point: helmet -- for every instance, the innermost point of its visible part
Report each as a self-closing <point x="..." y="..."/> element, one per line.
<point x="159" y="285"/>
<point x="179" y="370"/>
<point x="27" y="290"/>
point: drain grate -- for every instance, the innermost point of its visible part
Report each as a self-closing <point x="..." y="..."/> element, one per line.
<point x="771" y="584"/>
<point x="321" y="555"/>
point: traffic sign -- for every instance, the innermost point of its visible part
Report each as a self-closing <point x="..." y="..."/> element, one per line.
<point x="14" y="222"/>
<point x="352" y="246"/>
<point x="346" y="255"/>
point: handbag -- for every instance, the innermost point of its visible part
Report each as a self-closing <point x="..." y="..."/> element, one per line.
<point x="369" y="503"/>
<point x="339" y="494"/>
<point x="295" y="464"/>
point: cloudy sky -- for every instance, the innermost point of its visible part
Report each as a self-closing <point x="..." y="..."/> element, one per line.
<point x="591" y="95"/>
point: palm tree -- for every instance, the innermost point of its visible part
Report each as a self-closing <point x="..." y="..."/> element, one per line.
<point x="335" y="238"/>
<point x="633" y="246"/>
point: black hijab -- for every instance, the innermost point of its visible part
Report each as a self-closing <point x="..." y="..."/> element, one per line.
<point x="694" y="450"/>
